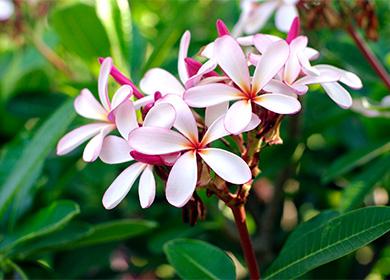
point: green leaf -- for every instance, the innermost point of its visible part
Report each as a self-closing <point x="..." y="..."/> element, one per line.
<point x="354" y="194"/>
<point x="193" y="259"/>
<point x="114" y="231"/>
<point x="35" y="153"/>
<point x="80" y="31"/>
<point x="47" y="220"/>
<point x="354" y="159"/>
<point x="329" y="240"/>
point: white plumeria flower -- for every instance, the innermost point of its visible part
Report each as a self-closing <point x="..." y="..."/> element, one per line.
<point x="117" y="150"/>
<point x="104" y="113"/>
<point x="256" y="13"/>
<point x="372" y="109"/>
<point x="7" y="9"/>
<point x="231" y="59"/>
<point x="183" y="176"/>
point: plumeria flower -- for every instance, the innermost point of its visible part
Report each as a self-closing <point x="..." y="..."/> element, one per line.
<point x="116" y="149"/>
<point x="372" y="109"/>
<point x="103" y="113"/>
<point x="246" y="90"/>
<point x="183" y="176"/>
<point x="7" y="9"/>
<point x="256" y="13"/>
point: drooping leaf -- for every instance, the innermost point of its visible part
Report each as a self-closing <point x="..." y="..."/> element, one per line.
<point x="328" y="241"/>
<point x="194" y="259"/>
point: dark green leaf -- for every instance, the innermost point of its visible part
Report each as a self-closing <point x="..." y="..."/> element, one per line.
<point x="193" y="259"/>
<point x="328" y="241"/>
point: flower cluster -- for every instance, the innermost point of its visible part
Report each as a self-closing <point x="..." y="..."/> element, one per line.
<point x="245" y="84"/>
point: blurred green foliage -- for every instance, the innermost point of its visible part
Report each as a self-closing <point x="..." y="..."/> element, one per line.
<point x="53" y="224"/>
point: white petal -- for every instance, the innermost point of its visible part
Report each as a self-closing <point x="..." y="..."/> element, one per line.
<point x="87" y="106"/>
<point x="214" y="112"/>
<point x="346" y="77"/>
<point x="238" y="116"/>
<point x="105" y="69"/>
<point x="280" y="87"/>
<point x="161" y="115"/>
<point x="210" y="94"/>
<point x="123" y="93"/>
<point x="284" y="17"/>
<point x="278" y="103"/>
<point x="245" y="41"/>
<point x="125" y="118"/>
<point x="208" y="51"/>
<point x="231" y="59"/>
<point x="338" y="94"/>
<point x="78" y="136"/>
<point x="122" y="185"/>
<point x="311" y="53"/>
<point x="185" y="121"/>
<point x="207" y="67"/>
<point x="255" y="121"/>
<point x="7" y="9"/>
<point x="325" y="76"/>
<point x="182" y="180"/>
<point x="183" y="52"/>
<point x="227" y="165"/>
<point x="147" y="187"/>
<point x="269" y="65"/>
<point x="143" y="101"/>
<point x="259" y="16"/>
<point x="94" y="146"/>
<point x="157" y="141"/>
<point x="115" y="150"/>
<point x="158" y="79"/>
<point x="263" y="41"/>
<point x="215" y="131"/>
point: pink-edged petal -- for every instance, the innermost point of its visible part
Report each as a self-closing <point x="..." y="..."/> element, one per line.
<point x="170" y="159"/>
<point x="238" y="116"/>
<point x="125" y="118"/>
<point x="158" y="79"/>
<point x="105" y="69"/>
<point x="117" y="191"/>
<point x="284" y="16"/>
<point x="87" y="106"/>
<point x="208" y="67"/>
<point x="346" y="77"/>
<point x="214" y="112"/>
<point x="269" y="65"/>
<point x="147" y="187"/>
<point x="142" y="102"/>
<point x="231" y="59"/>
<point x="157" y="141"/>
<point x="78" y="136"/>
<point x="311" y="53"/>
<point x="115" y="150"/>
<point x="182" y="179"/>
<point x="185" y="121"/>
<point x="338" y="94"/>
<point x="213" y="80"/>
<point x="123" y="93"/>
<point x="263" y="41"/>
<point x="227" y="165"/>
<point x="278" y="103"/>
<point x="280" y="87"/>
<point x="259" y="16"/>
<point x="161" y="115"/>
<point x="210" y="94"/>
<point x="183" y="53"/>
<point x="94" y="146"/>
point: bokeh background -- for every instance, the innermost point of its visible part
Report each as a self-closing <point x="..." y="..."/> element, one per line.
<point x="49" y="51"/>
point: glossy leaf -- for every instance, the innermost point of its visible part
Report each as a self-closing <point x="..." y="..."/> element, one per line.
<point x="193" y="259"/>
<point x="328" y="241"/>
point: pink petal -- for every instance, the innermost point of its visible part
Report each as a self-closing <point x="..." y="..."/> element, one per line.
<point x="238" y="116"/>
<point x="269" y="65"/>
<point x="263" y="41"/>
<point x="105" y="69"/>
<point x="206" y="68"/>
<point x="227" y="165"/>
<point x="147" y="187"/>
<point x="115" y="150"/>
<point x="117" y="191"/>
<point x="231" y="59"/>
<point x="346" y="77"/>
<point x="210" y="94"/>
<point x="183" y="53"/>
<point x="338" y="94"/>
<point x="293" y="67"/>
<point x="280" y="87"/>
<point x="278" y="103"/>
<point x="78" y="136"/>
<point x="284" y="16"/>
<point x="157" y="141"/>
<point x="306" y="67"/>
<point x="214" y="112"/>
<point x="182" y="180"/>
<point x="148" y="159"/>
<point x="325" y="76"/>
<point x="245" y="41"/>
<point x="185" y="122"/>
<point x="123" y="93"/>
<point x="87" y="106"/>
<point x="125" y="118"/>
<point x="161" y="115"/>
<point x="142" y="102"/>
<point x="170" y="159"/>
<point x="158" y="79"/>
<point x="192" y="66"/>
<point x="311" y="53"/>
<point x="94" y="146"/>
<point x="295" y="30"/>
<point x="221" y="28"/>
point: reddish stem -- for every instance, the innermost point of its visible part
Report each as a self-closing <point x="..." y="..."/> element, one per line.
<point x="369" y="55"/>
<point x="246" y="243"/>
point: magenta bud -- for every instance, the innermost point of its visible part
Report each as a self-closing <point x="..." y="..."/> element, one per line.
<point x="294" y="31"/>
<point x="221" y="28"/>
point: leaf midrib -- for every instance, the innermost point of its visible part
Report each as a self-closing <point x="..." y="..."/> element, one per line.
<point x="200" y="267"/>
